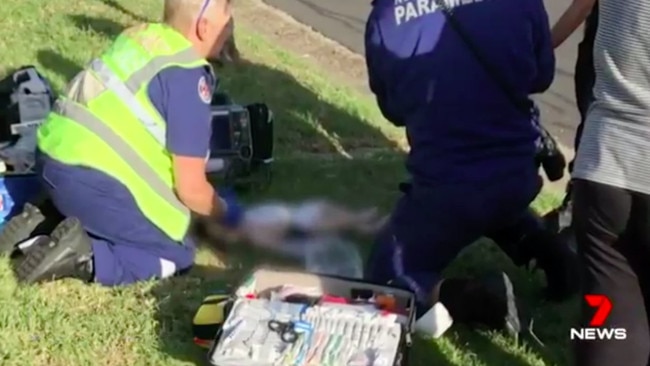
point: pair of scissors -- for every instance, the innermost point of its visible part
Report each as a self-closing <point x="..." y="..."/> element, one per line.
<point x="286" y="330"/>
<point x="290" y="331"/>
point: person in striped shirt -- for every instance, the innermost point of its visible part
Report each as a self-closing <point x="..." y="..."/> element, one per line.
<point x="611" y="185"/>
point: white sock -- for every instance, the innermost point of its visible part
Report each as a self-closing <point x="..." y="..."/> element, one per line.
<point x="435" y="322"/>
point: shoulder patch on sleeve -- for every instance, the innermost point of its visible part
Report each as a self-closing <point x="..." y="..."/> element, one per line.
<point x="204" y="90"/>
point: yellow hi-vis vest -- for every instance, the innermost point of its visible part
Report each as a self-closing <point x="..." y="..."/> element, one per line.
<point x="105" y="121"/>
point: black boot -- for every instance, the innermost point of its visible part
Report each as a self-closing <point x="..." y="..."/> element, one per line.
<point x="32" y="221"/>
<point x="66" y="253"/>
<point x="20" y="228"/>
<point x="489" y="302"/>
<point x="553" y="255"/>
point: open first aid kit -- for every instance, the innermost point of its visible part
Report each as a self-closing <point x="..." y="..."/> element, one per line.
<point x="293" y="318"/>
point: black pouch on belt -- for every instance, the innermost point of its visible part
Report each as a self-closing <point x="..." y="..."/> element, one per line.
<point x="549" y="155"/>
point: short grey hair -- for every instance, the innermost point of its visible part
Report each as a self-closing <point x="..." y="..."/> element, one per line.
<point x="183" y="11"/>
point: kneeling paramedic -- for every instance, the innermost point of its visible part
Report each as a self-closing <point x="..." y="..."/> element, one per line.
<point x="472" y="157"/>
<point x="123" y="154"/>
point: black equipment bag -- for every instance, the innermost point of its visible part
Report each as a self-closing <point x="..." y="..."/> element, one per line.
<point x="26" y="98"/>
<point x="549" y="155"/>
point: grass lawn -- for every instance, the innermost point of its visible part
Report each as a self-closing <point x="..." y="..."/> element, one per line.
<point x="68" y="323"/>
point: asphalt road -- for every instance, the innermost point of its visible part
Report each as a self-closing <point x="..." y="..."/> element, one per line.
<point x="343" y="21"/>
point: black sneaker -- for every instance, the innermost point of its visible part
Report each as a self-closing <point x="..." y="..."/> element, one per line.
<point x="66" y="253"/>
<point x="20" y="228"/>
<point x="487" y="302"/>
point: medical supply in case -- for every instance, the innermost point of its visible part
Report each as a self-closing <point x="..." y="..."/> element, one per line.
<point x="292" y="318"/>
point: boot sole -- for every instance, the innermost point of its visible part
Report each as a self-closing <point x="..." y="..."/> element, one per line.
<point x="41" y="258"/>
<point x="18" y="229"/>
<point x="502" y="287"/>
<point x="512" y="320"/>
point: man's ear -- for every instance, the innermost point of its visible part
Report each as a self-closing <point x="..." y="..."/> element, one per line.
<point x="201" y="28"/>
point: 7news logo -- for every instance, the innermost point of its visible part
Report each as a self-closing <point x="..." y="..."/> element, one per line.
<point x="596" y="330"/>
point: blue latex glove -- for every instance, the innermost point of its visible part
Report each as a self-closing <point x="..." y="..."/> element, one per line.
<point x="234" y="211"/>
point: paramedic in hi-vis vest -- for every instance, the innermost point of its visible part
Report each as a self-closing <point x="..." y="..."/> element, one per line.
<point x="122" y="156"/>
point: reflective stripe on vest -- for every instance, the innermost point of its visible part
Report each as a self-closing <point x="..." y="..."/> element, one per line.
<point x="153" y="67"/>
<point x="126" y="91"/>
<point x="114" y="84"/>
<point x="130" y="156"/>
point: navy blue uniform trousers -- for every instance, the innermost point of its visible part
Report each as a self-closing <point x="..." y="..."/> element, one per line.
<point x="127" y="247"/>
<point x="431" y="224"/>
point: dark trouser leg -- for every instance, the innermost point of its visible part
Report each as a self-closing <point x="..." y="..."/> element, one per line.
<point x="584" y="80"/>
<point x="123" y="263"/>
<point x="428" y="228"/>
<point x="613" y="238"/>
<point x="525" y="239"/>
<point x="123" y="250"/>
<point x="425" y="233"/>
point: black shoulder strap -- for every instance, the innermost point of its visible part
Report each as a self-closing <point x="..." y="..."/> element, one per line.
<point x="524" y="105"/>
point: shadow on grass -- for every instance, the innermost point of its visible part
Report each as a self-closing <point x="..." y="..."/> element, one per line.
<point x="105" y="27"/>
<point x="427" y="353"/>
<point x="488" y="352"/>
<point x="551" y="321"/>
<point x="119" y="7"/>
<point x="178" y="300"/>
<point x="305" y="122"/>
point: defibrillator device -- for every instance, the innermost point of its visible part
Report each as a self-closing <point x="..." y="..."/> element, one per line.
<point x="241" y="147"/>
<point x="26" y="98"/>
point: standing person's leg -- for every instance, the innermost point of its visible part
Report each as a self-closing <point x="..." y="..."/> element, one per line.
<point x="613" y="238"/>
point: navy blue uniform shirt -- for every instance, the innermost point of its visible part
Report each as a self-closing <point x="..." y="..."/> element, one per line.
<point x="460" y="125"/>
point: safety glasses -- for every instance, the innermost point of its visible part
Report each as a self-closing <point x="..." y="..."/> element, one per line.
<point x="202" y="11"/>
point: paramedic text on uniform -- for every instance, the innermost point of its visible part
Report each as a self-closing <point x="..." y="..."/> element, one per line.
<point x="123" y="154"/>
